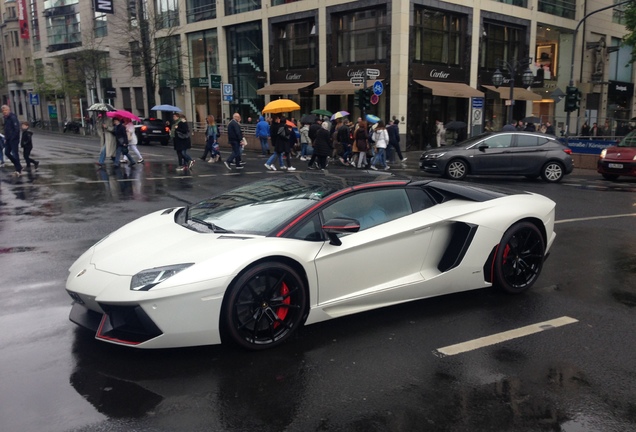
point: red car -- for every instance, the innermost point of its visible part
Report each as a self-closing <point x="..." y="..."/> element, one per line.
<point x="619" y="160"/>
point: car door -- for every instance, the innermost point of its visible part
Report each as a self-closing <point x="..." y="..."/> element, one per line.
<point x="386" y="253"/>
<point x="528" y="153"/>
<point x="493" y="155"/>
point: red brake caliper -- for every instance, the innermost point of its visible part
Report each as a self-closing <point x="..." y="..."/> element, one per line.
<point x="282" y="311"/>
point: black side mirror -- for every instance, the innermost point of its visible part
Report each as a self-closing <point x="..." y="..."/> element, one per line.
<point x="336" y="226"/>
<point x="482" y="147"/>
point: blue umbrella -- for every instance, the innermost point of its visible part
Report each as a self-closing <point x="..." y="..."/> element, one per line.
<point x="339" y="114"/>
<point x="372" y="119"/>
<point x="170" y="108"/>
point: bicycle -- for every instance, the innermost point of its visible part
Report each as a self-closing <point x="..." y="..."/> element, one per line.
<point x="37" y="124"/>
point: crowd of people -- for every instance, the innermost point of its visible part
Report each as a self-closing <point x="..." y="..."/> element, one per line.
<point x="16" y="135"/>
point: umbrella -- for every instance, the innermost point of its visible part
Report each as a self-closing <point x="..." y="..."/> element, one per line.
<point x="122" y="114"/>
<point x="455" y="125"/>
<point x="322" y="112"/>
<point x="165" y="107"/>
<point x="339" y="114"/>
<point x="281" y="106"/>
<point x="308" y="119"/>
<point x="372" y="118"/>
<point x="531" y="119"/>
<point x="101" y="106"/>
<point x="290" y="123"/>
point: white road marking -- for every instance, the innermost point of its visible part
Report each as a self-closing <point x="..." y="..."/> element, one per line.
<point x="502" y="337"/>
<point x="595" y="218"/>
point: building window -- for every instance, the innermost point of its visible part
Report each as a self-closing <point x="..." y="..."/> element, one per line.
<point x="204" y="57"/>
<point x="522" y="3"/>
<point x="561" y="8"/>
<point x="167" y="13"/>
<point x="280" y="2"/>
<point x="437" y="37"/>
<point x="238" y="6"/>
<point x="245" y="60"/>
<point x="295" y="45"/>
<point x="135" y="58"/>
<point x="63" y="31"/>
<point x="39" y="71"/>
<point x="200" y="10"/>
<point x="620" y="64"/>
<point x="501" y="43"/>
<point x="100" y="25"/>
<point x="35" y="26"/>
<point x="618" y="13"/>
<point x="169" y="51"/>
<point x="361" y="37"/>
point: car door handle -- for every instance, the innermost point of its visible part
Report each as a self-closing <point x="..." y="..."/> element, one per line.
<point x="421" y="230"/>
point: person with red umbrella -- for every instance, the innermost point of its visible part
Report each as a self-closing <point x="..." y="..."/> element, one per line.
<point x="121" y="140"/>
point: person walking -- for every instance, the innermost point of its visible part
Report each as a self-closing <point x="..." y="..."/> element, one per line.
<point x="121" y="138"/>
<point x="440" y="133"/>
<point x="182" y="141"/>
<point x="262" y="133"/>
<point x="132" y="140"/>
<point x="381" y="138"/>
<point x="26" y="142"/>
<point x="235" y="137"/>
<point x="274" y="135"/>
<point x="322" y="146"/>
<point x="313" y="130"/>
<point x="361" y="143"/>
<point x="394" y="139"/>
<point x="585" y="130"/>
<point x="105" y="130"/>
<point x="549" y="128"/>
<point x="12" y="139"/>
<point x="211" y="141"/>
<point x="305" y="141"/>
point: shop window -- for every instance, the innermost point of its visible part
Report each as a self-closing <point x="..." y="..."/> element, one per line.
<point x="295" y="45"/>
<point x="500" y="42"/>
<point x="546" y="60"/>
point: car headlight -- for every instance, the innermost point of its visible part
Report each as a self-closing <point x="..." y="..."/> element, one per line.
<point x="146" y="279"/>
<point x="434" y="155"/>
<point x="603" y="153"/>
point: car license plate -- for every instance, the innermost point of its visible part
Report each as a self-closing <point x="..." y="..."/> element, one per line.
<point x="156" y="131"/>
<point x="613" y="165"/>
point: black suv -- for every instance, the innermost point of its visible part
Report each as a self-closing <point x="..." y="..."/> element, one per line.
<point x="152" y="129"/>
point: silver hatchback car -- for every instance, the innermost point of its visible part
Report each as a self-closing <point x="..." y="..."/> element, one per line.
<point x="530" y="154"/>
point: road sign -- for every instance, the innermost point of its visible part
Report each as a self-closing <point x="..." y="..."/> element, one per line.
<point x="215" y="81"/>
<point x="478" y="102"/>
<point x="228" y="92"/>
<point x="373" y="73"/>
<point x="378" y="87"/>
<point x="356" y="80"/>
<point x="374" y="99"/>
<point x="34" y="98"/>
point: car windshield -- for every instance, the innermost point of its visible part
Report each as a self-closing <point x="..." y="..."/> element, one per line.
<point x="629" y="140"/>
<point x="256" y="208"/>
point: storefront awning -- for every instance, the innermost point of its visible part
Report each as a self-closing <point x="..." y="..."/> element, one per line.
<point x="450" y="89"/>
<point x="283" y="88"/>
<point x="340" y="88"/>
<point x="518" y="93"/>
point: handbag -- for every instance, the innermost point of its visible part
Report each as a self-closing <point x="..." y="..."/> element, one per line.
<point x="182" y="135"/>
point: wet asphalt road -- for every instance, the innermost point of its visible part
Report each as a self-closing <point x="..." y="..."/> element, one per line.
<point x="375" y="371"/>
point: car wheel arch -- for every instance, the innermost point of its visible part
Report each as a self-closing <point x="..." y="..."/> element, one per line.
<point x="294" y="264"/>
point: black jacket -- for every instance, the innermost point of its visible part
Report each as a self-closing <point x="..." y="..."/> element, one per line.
<point x="26" y="141"/>
<point x="234" y="133"/>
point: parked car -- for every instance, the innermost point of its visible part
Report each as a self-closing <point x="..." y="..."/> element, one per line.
<point x="152" y="129"/>
<point x="619" y="160"/>
<point x="531" y="154"/>
<point x="264" y="259"/>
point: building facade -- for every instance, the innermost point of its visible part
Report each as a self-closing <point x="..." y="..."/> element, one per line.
<point x="435" y="59"/>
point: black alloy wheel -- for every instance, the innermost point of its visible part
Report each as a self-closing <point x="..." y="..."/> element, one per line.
<point x="519" y="258"/>
<point x="264" y="306"/>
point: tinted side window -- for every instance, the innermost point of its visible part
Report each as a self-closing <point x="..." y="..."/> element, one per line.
<point x="528" y="141"/>
<point x="499" y="141"/>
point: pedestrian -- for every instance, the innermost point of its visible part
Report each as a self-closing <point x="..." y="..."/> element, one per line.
<point x="121" y="140"/>
<point x="595" y="131"/>
<point x="313" y="130"/>
<point x="585" y="130"/>
<point x="273" y="132"/>
<point x="381" y="138"/>
<point x="284" y="142"/>
<point x="105" y="130"/>
<point x="132" y="140"/>
<point x="520" y="126"/>
<point x="322" y="146"/>
<point x="12" y="139"/>
<point x="440" y="133"/>
<point x="509" y="127"/>
<point x="394" y="139"/>
<point x="235" y="138"/>
<point x="488" y="126"/>
<point x="182" y="141"/>
<point x="305" y="141"/>
<point x="549" y="129"/>
<point x="211" y="141"/>
<point x="530" y="127"/>
<point x="26" y="142"/>
<point x="361" y="143"/>
<point x="262" y="133"/>
<point x="1" y="151"/>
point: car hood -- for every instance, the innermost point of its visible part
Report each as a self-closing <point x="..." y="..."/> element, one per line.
<point x="625" y="154"/>
<point x="157" y="240"/>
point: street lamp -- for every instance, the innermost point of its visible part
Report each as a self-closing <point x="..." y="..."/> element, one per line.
<point x="527" y="78"/>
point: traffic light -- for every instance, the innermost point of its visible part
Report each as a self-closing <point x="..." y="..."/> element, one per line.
<point x="367" y="98"/>
<point x="357" y="98"/>
<point x="572" y="99"/>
